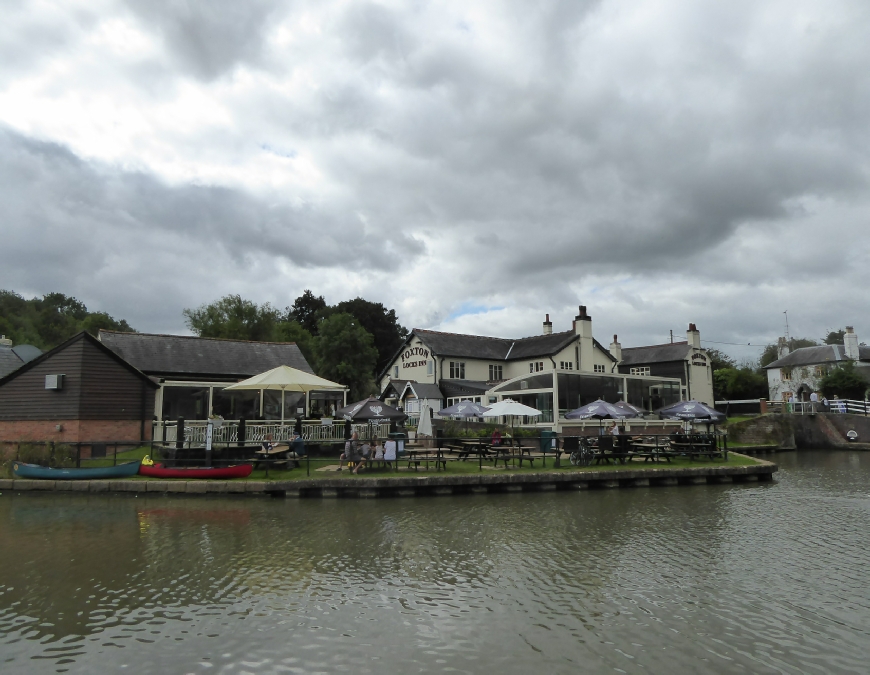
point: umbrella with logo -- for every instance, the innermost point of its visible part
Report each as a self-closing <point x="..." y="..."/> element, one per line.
<point x="690" y="411"/>
<point x="600" y="410"/>
<point x="464" y="409"/>
<point x="370" y="410"/>
<point x="625" y="405"/>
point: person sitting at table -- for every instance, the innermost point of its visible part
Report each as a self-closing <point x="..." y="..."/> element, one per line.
<point x="267" y="445"/>
<point x="351" y="447"/>
<point x="390" y="451"/>
<point x="614" y="429"/>
<point x="379" y="449"/>
<point x="297" y="450"/>
<point x="496" y="438"/>
<point x="365" y="454"/>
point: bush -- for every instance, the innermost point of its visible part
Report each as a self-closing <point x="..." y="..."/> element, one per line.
<point x="47" y="455"/>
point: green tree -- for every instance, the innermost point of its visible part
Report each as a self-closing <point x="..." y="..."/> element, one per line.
<point x="719" y="360"/>
<point x="769" y="355"/>
<point x="234" y="318"/>
<point x="835" y="337"/>
<point x="292" y="331"/>
<point x="306" y="311"/>
<point x="735" y="384"/>
<point x="97" y="321"/>
<point x="380" y="322"/>
<point x="47" y="321"/>
<point x="844" y="381"/>
<point x="345" y="353"/>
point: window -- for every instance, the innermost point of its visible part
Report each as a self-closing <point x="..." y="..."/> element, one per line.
<point x="430" y="367"/>
<point x="395" y="372"/>
<point x="566" y="365"/>
<point x="785" y="374"/>
<point x="820" y="371"/>
<point x="457" y="370"/>
<point x="495" y="373"/>
<point x="536" y="366"/>
<point x="598" y="368"/>
<point x="643" y="370"/>
<point x="492" y="399"/>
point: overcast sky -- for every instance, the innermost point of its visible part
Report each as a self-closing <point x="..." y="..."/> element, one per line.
<point x="473" y="165"/>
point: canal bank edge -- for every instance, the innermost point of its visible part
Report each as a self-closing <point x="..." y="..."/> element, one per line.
<point x="407" y="486"/>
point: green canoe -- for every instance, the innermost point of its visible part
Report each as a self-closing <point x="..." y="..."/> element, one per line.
<point x="22" y="470"/>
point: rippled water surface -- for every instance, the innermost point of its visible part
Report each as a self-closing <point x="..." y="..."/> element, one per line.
<point x="769" y="578"/>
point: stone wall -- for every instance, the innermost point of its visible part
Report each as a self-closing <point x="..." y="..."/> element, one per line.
<point x="799" y="431"/>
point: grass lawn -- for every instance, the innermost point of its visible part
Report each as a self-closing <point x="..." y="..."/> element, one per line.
<point x="454" y="468"/>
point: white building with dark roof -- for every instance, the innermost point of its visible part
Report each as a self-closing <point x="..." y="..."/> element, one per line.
<point x="553" y="372"/>
<point x="800" y="372"/>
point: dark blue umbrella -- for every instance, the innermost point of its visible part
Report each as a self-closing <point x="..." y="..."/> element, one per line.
<point x="691" y="410"/>
<point x="625" y="405"/>
<point x="371" y="409"/>
<point x="600" y="410"/>
<point x="463" y="409"/>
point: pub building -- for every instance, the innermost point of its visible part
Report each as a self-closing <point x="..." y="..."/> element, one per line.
<point x="553" y="372"/>
<point x="193" y="372"/>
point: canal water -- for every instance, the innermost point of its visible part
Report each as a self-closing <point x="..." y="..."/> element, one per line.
<point x="764" y="578"/>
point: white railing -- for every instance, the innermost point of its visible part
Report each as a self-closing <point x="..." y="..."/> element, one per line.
<point x="836" y="406"/>
<point x="256" y="432"/>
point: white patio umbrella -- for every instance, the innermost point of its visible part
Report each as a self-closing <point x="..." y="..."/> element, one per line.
<point x="508" y="406"/>
<point x="424" y="427"/>
<point x="286" y="379"/>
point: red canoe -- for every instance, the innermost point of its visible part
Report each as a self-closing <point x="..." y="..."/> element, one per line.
<point x="158" y="471"/>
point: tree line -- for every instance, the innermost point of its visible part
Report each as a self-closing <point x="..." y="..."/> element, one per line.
<point x="349" y="342"/>
<point x="50" y="320"/>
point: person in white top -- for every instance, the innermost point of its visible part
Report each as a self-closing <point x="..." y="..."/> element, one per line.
<point x="814" y="402"/>
<point x="614" y="429"/>
<point x="390" y="451"/>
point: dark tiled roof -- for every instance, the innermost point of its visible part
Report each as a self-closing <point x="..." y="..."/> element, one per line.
<point x="424" y="390"/>
<point x="677" y="351"/>
<point x="496" y="349"/>
<point x="397" y="387"/>
<point x="87" y="337"/>
<point x="185" y="357"/>
<point x="27" y="352"/>
<point x="9" y="361"/>
<point x="809" y="356"/>
<point x="463" y="387"/>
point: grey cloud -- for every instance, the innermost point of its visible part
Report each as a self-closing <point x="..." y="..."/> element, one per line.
<point x="208" y="37"/>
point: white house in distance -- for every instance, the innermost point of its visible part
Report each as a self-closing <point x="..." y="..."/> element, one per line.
<point x="800" y="372"/>
<point x="553" y="372"/>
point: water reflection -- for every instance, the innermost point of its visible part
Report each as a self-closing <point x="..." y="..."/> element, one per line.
<point x="766" y="578"/>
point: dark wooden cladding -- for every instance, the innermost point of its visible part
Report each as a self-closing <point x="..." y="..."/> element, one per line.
<point x="96" y="387"/>
<point x="25" y="397"/>
<point x="109" y="391"/>
<point x="675" y="369"/>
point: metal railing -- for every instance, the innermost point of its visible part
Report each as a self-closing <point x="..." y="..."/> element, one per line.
<point x="165" y="431"/>
<point x="837" y="406"/>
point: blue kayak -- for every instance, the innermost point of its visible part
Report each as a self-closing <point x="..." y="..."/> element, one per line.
<point x="22" y="470"/>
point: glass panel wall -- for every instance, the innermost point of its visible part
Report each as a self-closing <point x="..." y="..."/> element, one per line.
<point x="324" y="403"/>
<point x="191" y="403"/>
<point x="293" y="400"/>
<point x="233" y="405"/>
<point x="651" y="394"/>
<point x="578" y="390"/>
<point x="544" y="381"/>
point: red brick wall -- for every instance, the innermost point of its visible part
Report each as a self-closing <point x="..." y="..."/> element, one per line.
<point x="72" y="431"/>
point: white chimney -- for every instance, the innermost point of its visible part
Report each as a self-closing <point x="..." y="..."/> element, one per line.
<point x="850" y="344"/>
<point x="548" y="326"/>
<point x="693" y="336"/>
<point x="616" y="349"/>
<point x="5" y="341"/>
<point x="781" y="348"/>
<point x="583" y="329"/>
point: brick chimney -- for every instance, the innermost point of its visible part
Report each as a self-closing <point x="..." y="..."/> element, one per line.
<point x="583" y="329"/>
<point x="850" y="344"/>
<point x="693" y="336"/>
<point x="782" y="348"/>
<point x="548" y="326"/>
<point x="616" y="349"/>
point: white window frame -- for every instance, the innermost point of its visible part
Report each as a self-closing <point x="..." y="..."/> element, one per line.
<point x="640" y="370"/>
<point x="598" y="368"/>
<point x="457" y="370"/>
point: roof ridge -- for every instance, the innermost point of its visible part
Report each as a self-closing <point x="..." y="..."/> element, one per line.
<point x="196" y="337"/>
<point x="664" y="344"/>
<point x="464" y="335"/>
